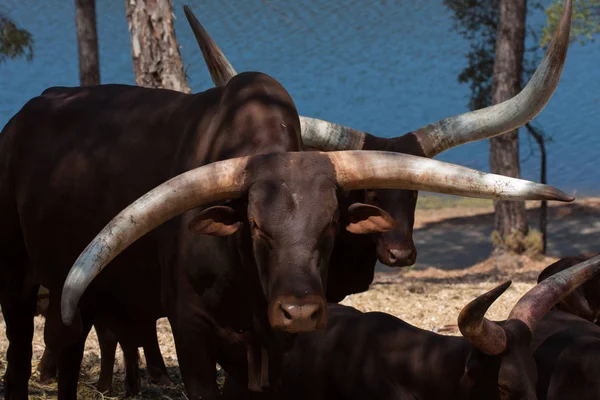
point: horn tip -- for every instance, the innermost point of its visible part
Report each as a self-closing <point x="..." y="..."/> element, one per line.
<point x="67" y="309"/>
<point x="559" y="195"/>
<point x="566" y="198"/>
<point x="188" y="11"/>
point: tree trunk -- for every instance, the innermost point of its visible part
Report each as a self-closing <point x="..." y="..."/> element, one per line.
<point x="87" y="42"/>
<point x="156" y="58"/>
<point x="510" y="217"/>
<point x="539" y="138"/>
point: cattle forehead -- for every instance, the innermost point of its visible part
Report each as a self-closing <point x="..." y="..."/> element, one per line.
<point x="291" y="182"/>
<point x="295" y="169"/>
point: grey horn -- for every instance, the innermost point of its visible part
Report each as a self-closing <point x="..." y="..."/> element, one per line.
<point x="360" y="169"/>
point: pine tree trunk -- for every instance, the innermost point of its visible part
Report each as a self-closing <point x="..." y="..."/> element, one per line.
<point x="87" y="42"/>
<point x="510" y="217"/>
<point x="156" y="58"/>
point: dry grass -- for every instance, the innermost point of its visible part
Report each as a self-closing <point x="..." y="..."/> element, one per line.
<point x="426" y="297"/>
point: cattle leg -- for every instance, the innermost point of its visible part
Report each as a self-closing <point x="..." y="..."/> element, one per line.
<point x="69" y="364"/>
<point x="233" y="391"/>
<point x="197" y="362"/>
<point x="18" y="315"/>
<point x="133" y="382"/>
<point x="47" y="366"/>
<point x="108" y="347"/>
<point x="155" y="365"/>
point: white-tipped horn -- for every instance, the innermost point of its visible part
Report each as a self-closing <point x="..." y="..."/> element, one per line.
<point x="510" y="114"/>
<point x="468" y="127"/>
<point x="388" y="170"/>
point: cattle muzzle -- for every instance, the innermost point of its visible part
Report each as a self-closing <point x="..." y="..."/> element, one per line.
<point x="298" y="314"/>
<point x="397" y="254"/>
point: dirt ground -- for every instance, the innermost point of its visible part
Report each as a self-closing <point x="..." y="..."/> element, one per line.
<point x="454" y="267"/>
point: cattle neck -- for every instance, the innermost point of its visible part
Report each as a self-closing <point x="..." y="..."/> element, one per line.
<point x="406" y="144"/>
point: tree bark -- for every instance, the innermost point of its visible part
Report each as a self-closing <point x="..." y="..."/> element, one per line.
<point x="510" y="216"/>
<point x="87" y="42"/>
<point x="156" y="57"/>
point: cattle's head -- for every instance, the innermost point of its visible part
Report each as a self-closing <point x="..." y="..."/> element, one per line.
<point x="290" y="220"/>
<point x="292" y="213"/>
<point x="501" y="364"/>
<point x="396" y="247"/>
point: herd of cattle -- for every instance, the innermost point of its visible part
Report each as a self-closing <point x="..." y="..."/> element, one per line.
<point x="244" y="224"/>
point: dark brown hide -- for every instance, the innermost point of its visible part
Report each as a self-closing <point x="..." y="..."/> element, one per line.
<point x="377" y="356"/>
<point x="567" y="354"/>
<point x="73" y="158"/>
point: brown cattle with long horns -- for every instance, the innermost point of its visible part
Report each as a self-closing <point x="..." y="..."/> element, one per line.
<point x="378" y="356"/>
<point x="353" y="259"/>
<point x="230" y="235"/>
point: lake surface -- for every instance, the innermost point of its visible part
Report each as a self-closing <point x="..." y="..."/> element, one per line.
<point x="386" y="67"/>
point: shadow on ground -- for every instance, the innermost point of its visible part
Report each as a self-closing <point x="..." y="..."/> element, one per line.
<point x="457" y="243"/>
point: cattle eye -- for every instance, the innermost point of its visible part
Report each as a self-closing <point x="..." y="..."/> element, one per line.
<point x="255" y="230"/>
<point x="372" y="197"/>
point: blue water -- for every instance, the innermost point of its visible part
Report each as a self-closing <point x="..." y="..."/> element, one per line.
<point x="384" y="66"/>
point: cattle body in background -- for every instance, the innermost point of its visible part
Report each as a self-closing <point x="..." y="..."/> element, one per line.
<point x="238" y="279"/>
<point x="377" y="356"/>
<point x="583" y="301"/>
<point x="566" y="345"/>
<point x="353" y="258"/>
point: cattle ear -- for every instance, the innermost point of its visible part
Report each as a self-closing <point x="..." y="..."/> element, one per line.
<point x="365" y="218"/>
<point x="473" y="368"/>
<point x="216" y="221"/>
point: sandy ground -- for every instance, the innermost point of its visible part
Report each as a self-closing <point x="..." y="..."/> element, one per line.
<point x="454" y="267"/>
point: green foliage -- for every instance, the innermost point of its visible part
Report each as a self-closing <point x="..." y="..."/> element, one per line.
<point x="14" y="41"/>
<point x="477" y="21"/>
<point x="585" y="21"/>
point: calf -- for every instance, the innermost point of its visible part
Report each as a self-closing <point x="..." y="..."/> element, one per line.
<point x="377" y="356"/>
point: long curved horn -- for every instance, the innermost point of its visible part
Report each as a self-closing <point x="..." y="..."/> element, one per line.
<point x="532" y="307"/>
<point x="213" y="182"/>
<point x="221" y="70"/>
<point x="471" y="126"/>
<point x="389" y="170"/>
<point x="510" y="114"/>
<point x="486" y="335"/>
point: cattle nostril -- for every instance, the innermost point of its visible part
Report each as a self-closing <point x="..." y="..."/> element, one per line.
<point x="316" y="314"/>
<point x="399" y="257"/>
<point x="293" y="314"/>
<point x="286" y="314"/>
